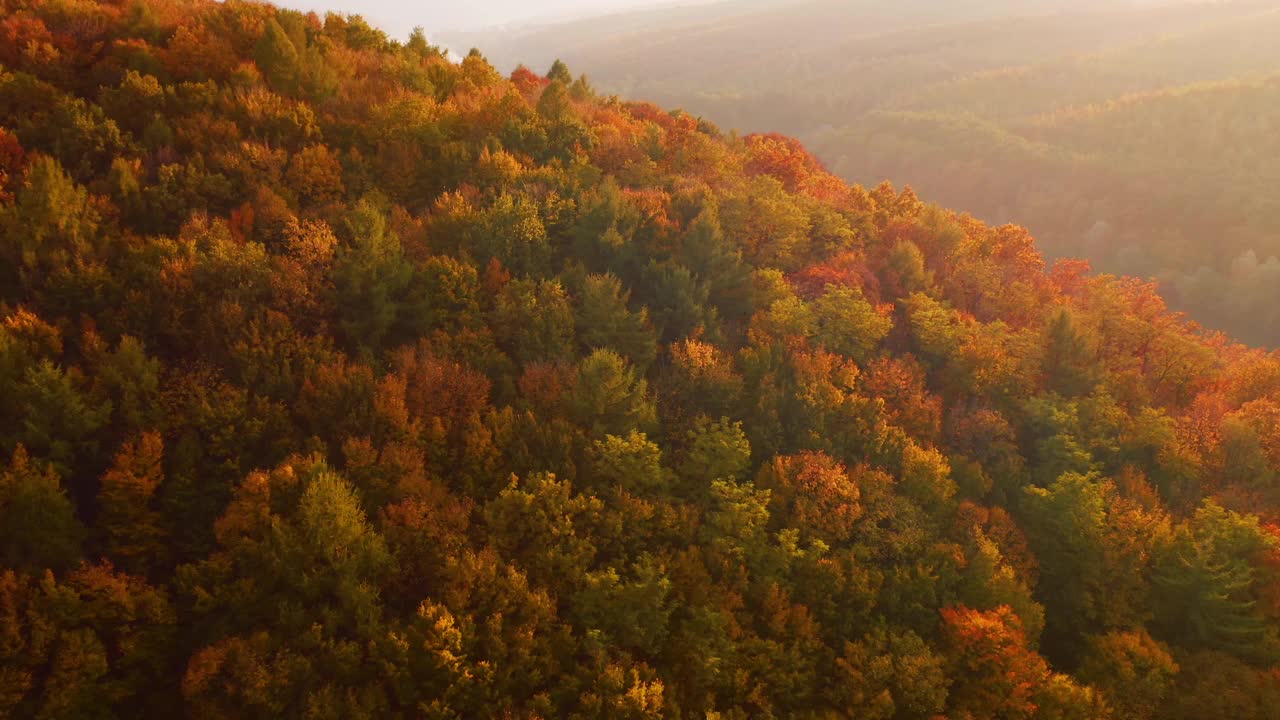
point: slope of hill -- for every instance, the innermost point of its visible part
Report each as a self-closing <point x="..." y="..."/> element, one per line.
<point x="974" y="88"/>
<point x="339" y="380"/>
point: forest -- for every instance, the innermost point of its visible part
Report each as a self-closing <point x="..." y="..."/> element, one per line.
<point x="341" y="378"/>
<point x="1138" y="135"/>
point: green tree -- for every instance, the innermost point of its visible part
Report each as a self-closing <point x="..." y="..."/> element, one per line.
<point x="848" y="324"/>
<point x="605" y="321"/>
<point x="370" y="277"/>
<point x="1070" y="363"/>
<point x="560" y="71"/>
<point x="60" y="420"/>
<point x="278" y="57"/>
<point x="1133" y="670"/>
<point x="133" y="530"/>
<point x="39" y="528"/>
<point x="632" y="462"/>
<point x="608" y="398"/>
<point x="1066" y="528"/>
<point x="1205" y="578"/>
<point x="714" y="450"/>
<point x="889" y="675"/>
<point x="716" y="262"/>
<point x="545" y="529"/>
<point x="49" y="233"/>
<point x="533" y="321"/>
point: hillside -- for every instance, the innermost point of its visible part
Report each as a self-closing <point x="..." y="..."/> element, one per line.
<point x="340" y="380"/>
<point x="952" y="108"/>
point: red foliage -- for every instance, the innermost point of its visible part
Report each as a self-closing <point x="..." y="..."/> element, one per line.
<point x="1069" y="275"/>
<point x="901" y="383"/>
<point x="439" y="388"/>
<point x="21" y="34"/>
<point x="846" y="270"/>
<point x="13" y="160"/>
<point x="528" y="82"/>
<point x="496" y="277"/>
<point x="997" y="675"/>
<point x="786" y="159"/>
<point x="813" y="490"/>
<point x="668" y="121"/>
<point x="543" y="384"/>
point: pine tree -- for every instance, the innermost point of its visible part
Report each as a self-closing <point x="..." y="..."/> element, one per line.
<point x="134" y="536"/>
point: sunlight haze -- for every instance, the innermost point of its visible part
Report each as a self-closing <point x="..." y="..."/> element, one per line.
<point x="437" y="16"/>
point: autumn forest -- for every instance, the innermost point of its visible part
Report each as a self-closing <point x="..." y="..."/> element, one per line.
<point x="341" y="377"/>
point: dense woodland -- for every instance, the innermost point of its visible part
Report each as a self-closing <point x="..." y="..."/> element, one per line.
<point x="342" y="380"/>
<point x="1139" y="135"/>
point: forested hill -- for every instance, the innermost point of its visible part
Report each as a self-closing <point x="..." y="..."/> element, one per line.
<point x="340" y="380"/>
<point x="953" y="98"/>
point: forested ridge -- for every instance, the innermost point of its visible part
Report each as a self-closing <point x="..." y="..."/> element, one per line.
<point x="1138" y="135"/>
<point x="342" y="380"/>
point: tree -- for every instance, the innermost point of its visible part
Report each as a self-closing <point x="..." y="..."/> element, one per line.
<point x="997" y="676"/>
<point x="533" y="321"/>
<point x="737" y="520"/>
<point x="715" y="450"/>
<point x="560" y="71"/>
<point x="678" y="304"/>
<point x="1133" y="670"/>
<point x="926" y="478"/>
<point x="700" y="379"/>
<point x="1217" y="686"/>
<point x="134" y="535"/>
<point x="512" y="231"/>
<point x="370" y="276"/>
<point x="130" y="379"/>
<point x="813" y="493"/>
<point x="92" y="643"/>
<point x="715" y="261"/>
<point x="1069" y="361"/>
<point x="60" y="421"/>
<point x="605" y="321"/>
<point x="847" y="324"/>
<point x="888" y="675"/>
<point x="278" y="57"/>
<point x="632" y="462"/>
<point x="39" y="529"/>
<point x="315" y="174"/>
<point x="50" y="232"/>
<point x="299" y="570"/>
<point x="1206" y="588"/>
<point x="1066" y="528"/>
<point x="544" y="528"/>
<point x="608" y="398"/>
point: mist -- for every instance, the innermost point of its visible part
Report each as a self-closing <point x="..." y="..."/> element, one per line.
<point x="447" y="16"/>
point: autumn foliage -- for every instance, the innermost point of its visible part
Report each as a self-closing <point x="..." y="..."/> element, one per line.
<point x="340" y="379"/>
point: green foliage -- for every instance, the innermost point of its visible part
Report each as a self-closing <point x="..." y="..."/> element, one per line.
<point x="605" y="321"/>
<point x="888" y="675"/>
<point x="608" y="397"/>
<point x="1134" y="671"/>
<point x="1207" y="589"/>
<point x="370" y="277"/>
<point x="1066" y="526"/>
<point x="1069" y="361"/>
<point x="534" y="321"/>
<point x="715" y="450"/>
<point x="631" y="462"/>
<point x="848" y="324"/>
<point x="40" y="529"/>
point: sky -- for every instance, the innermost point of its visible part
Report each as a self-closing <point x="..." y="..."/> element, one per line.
<point x="397" y="18"/>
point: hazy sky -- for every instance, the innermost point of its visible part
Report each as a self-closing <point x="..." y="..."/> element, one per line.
<point x="398" y="18"/>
